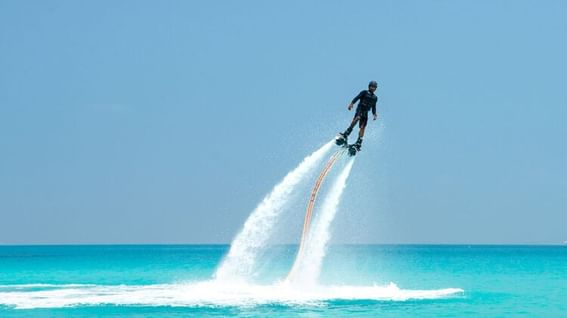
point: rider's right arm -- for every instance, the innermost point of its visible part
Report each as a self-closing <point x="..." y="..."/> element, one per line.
<point x="354" y="100"/>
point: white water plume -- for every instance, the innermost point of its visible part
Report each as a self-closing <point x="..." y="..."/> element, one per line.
<point x="307" y="267"/>
<point x="240" y="261"/>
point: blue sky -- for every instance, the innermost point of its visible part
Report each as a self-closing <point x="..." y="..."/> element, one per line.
<point x="167" y="122"/>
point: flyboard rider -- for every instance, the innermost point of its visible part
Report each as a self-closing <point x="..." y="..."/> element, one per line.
<point x="366" y="101"/>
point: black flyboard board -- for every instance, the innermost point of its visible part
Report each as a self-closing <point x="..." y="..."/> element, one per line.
<point x="340" y="140"/>
<point x="352" y="150"/>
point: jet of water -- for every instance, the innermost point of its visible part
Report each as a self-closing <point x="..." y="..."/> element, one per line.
<point x="240" y="261"/>
<point x="307" y="266"/>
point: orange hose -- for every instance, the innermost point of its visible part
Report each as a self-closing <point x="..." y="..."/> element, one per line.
<point x="311" y="203"/>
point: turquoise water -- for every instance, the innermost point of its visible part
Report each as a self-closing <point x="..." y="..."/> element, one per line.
<point x="174" y="281"/>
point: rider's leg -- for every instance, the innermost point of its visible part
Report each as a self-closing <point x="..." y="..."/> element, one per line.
<point x="352" y="124"/>
<point x="361" y="132"/>
<point x="362" y="125"/>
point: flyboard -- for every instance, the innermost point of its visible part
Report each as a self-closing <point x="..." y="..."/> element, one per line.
<point x="345" y="148"/>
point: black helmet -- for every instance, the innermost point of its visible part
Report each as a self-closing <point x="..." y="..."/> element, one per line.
<point x="372" y="84"/>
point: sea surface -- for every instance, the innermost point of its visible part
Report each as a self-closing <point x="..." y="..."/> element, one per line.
<point x="355" y="281"/>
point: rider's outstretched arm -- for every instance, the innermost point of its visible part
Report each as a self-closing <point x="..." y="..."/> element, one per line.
<point x="355" y="99"/>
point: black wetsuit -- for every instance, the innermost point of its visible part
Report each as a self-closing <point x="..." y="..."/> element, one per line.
<point x="367" y="102"/>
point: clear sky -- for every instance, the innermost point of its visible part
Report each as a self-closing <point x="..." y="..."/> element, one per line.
<point x="168" y="121"/>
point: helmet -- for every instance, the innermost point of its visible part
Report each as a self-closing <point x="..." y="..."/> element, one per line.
<point x="372" y="84"/>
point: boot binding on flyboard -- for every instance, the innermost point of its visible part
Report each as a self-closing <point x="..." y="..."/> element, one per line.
<point x="341" y="140"/>
<point x="354" y="148"/>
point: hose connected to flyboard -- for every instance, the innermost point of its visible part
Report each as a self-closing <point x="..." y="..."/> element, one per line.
<point x="309" y="210"/>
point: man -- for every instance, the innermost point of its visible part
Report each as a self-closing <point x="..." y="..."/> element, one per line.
<point x="366" y="101"/>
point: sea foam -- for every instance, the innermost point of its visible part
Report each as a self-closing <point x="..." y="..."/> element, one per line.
<point x="207" y="293"/>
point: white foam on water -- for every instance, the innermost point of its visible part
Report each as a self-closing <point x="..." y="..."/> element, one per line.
<point x="307" y="267"/>
<point x="209" y="293"/>
<point x="239" y="264"/>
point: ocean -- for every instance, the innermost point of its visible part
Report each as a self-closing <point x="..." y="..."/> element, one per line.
<point x="354" y="281"/>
